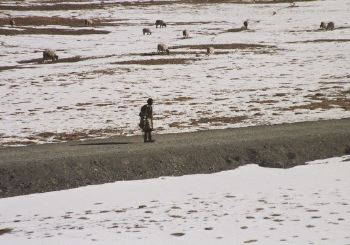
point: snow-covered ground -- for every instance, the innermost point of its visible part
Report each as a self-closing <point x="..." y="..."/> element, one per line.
<point x="304" y="205"/>
<point x="295" y="81"/>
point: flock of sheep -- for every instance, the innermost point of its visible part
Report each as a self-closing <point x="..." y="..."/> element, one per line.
<point x="162" y="48"/>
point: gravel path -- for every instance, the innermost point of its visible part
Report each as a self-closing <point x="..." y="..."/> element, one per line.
<point x="49" y="167"/>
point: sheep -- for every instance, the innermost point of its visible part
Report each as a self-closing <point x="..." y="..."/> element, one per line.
<point x="49" y="54"/>
<point x="160" y="23"/>
<point x="88" y="22"/>
<point x="323" y="25"/>
<point x="185" y="34"/>
<point x="12" y="22"/>
<point x="330" y="26"/>
<point x="162" y="48"/>
<point x="327" y="26"/>
<point x="210" y="50"/>
<point x="245" y="25"/>
<point x="146" y="31"/>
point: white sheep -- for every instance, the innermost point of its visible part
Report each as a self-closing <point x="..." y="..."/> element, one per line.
<point x="162" y="48"/>
<point x="88" y="22"/>
<point x="12" y="22"/>
<point x="49" y="54"/>
<point x="210" y="50"/>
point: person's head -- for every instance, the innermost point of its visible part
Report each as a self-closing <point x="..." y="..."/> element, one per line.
<point x="150" y="101"/>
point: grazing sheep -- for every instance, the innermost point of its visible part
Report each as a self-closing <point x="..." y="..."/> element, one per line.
<point x="160" y="23"/>
<point x="185" y="34"/>
<point x="146" y="31"/>
<point x="330" y="26"/>
<point x="245" y="25"/>
<point x="162" y="48"/>
<point x="88" y="22"/>
<point x="323" y="25"/>
<point x="12" y="22"/>
<point x="49" y="54"/>
<point x="210" y="50"/>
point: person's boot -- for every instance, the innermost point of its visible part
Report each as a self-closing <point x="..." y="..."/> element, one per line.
<point x="150" y="138"/>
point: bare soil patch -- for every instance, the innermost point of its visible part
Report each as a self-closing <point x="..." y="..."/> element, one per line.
<point x="64" y="60"/>
<point x="55" y="20"/>
<point x="49" y="31"/>
<point x="61" y="5"/>
<point x="324" y="103"/>
<point x="218" y="120"/>
<point x="44" y="20"/>
<point x="236" y="30"/>
<point x="51" y="7"/>
<point x="6" y="68"/>
<point x="322" y="41"/>
<point x="194" y="52"/>
<point x="224" y="46"/>
<point x="87" y="134"/>
<point x="170" y="61"/>
<point x="61" y="60"/>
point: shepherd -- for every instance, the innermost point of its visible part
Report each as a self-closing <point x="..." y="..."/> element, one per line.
<point x="146" y="121"/>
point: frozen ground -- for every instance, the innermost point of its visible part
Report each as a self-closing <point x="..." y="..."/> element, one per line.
<point x="303" y="205"/>
<point x="305" y="76"/>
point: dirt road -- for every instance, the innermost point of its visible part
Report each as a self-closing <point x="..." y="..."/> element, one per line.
<point x="50" y="167"/>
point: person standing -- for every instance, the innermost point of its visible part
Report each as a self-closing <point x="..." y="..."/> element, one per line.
<point x="146" y="121"/>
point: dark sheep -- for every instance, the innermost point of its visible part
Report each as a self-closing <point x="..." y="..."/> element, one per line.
<point x="160" y="23"/>
<point x="146" y="31"/>
<point x="185" y="34"/>
<point x="330" y="26"/>
<point x="327" y="26"/>
<point x="49" y="54"/>
<point x="245" y="25"/>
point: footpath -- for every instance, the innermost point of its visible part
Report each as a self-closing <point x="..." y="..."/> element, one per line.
<point x="50" y="167"/>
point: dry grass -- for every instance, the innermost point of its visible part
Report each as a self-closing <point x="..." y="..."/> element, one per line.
<point x="6" y="68"/>
<point x="170" y="61"/>
<point x="324" y="104"/>
<point x="224" y="46"/>
<point x="49" y="31"/>
<point x="60" y="5"/>
<point x="65" y="60"/>
<point x="216" y="120"/>
<point x="323" y="41"/>
<point x="265" y="101"/>
<point x="72" y="22"/>
<point x="87" y="134"/>
<point x="183" y="98"/>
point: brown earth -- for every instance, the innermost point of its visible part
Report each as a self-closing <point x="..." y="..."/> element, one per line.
<point x="60" y="5"/>
<point x="49" y="31"/>
<point x="54" y="20"/>
<point x="322" y="41"/>
<point x="223" y="46"/>
<point x="170" y="61"/>
<point x="42" y="168"/>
